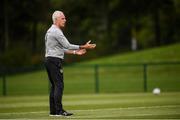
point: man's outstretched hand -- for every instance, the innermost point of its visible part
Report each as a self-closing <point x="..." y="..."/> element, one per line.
<point x="88" y="45"/>
<point x="81" y="51"/>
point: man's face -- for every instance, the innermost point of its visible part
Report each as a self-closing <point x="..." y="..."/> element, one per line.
<point x="61" y="20"/>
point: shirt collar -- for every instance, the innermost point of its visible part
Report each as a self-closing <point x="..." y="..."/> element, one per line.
<point x="54" y="26"/>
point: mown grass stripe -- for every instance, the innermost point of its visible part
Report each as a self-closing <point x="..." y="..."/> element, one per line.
<point x="107" y="109"/>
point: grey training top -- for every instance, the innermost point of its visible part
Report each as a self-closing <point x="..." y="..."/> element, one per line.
<point x="56" y="43"/>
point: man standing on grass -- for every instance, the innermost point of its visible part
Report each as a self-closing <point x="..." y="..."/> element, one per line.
<point x="56" y="45"/>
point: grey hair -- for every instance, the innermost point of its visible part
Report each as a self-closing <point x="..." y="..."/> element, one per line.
<point x="55" y="15"/>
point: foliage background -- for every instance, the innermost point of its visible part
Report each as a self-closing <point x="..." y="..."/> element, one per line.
<point x="111" y="24"/>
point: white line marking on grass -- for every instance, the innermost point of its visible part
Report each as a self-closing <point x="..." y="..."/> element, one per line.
<point x="23" y="113"/>
<point x="145" y="107"/>
<point x="105" y="109"/>
<point x="152" y="114"/>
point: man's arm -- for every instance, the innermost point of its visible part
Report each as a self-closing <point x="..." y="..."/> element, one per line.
<point x="76" y="52"/>
<point x="65" y="43"/>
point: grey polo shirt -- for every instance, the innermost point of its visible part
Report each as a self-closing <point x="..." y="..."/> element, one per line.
<point x="56" y="43"/>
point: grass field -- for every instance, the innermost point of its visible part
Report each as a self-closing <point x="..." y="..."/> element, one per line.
<point x="159" y="54"/>
<point x="120" y="87"/>
<point x="95" y="106"/>
<point x="112" y="79"/>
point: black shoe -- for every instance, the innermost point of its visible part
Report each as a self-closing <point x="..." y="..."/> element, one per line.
<point x="64" y="113"/>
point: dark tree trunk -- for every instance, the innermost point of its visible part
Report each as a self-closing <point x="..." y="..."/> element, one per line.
<point x="6" y="26"/>
<point x="34" y="37"/>
<point x="157" y="28"/>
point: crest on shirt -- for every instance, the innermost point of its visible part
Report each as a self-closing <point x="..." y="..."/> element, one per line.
<point x="61" y="70"/>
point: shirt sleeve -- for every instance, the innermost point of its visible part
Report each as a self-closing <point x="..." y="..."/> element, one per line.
<point x="65" y="50"/>
<point x="65" y="43"/>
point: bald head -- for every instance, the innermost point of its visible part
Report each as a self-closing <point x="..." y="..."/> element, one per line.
<point x="59" y="19"/>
